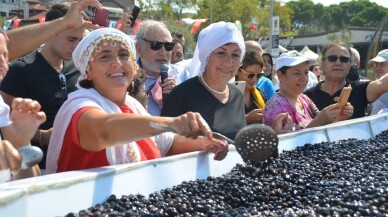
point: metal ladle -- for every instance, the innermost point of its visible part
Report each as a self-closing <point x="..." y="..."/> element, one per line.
<point x="31" y="155"/>
<point x="255" y="142"/>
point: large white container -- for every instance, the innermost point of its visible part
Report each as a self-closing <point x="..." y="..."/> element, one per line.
<point x="59" y="194"/>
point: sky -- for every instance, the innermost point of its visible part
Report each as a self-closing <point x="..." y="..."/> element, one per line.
<point x="336" y="2"/>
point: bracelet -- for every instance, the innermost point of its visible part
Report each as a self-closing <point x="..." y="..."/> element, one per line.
<point x="40" y="137"/>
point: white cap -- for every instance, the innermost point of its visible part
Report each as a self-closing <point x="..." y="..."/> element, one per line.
<point x="291" y="58"/>
<point x="382" y="56"/>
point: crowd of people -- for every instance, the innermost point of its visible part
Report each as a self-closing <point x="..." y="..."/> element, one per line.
<point x="89" y="96"/>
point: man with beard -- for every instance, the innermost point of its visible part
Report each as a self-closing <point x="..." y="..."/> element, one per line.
<point x="154" y="45"/>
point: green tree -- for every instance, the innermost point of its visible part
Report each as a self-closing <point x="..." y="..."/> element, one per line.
<point x="303" y="15"/>
<point x="362" y="13"/>
<point x="245" y="11"/>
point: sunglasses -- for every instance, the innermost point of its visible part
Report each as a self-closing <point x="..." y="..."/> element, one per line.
<point x="156" y="45"/>
<point x="252" y="75"/>
<point x="334" y="58"/>
<point x="63" y="86"/>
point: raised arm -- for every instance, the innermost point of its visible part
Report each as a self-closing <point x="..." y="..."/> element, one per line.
<point x="98" y="130"/>
<point x="27" y="38"/>
<point x="376" y="88"/>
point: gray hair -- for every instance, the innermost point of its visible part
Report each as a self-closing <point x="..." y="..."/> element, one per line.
<point x="149" y="27"/>
<point x="355" y="54"/>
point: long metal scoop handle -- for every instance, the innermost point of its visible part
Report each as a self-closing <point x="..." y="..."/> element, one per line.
<point x="170" y="129"/>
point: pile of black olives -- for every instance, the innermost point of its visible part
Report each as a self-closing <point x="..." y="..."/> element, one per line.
<point x="345" y="178"/>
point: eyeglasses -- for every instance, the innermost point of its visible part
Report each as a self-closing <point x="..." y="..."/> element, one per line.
<point x="156" y="45"/>
<point x="334" y="58"/>
<point x="252" y="75"/>
<point x="63" y="86"/>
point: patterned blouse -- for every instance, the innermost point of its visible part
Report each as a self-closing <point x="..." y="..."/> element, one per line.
<point x="279" y="104"/>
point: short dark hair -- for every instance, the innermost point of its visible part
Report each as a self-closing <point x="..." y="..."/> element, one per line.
<point x="59" y="10"/>
<point x="335" y="44"/>
<point x="284" y="69"/>
<point x="56" y="11"/>
<point x="252" y="58"/>
<point x="179" y="37"/>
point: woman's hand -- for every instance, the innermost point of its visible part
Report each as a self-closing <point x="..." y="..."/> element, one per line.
<point x="255" y="116"/>
<point x="26" y="117"/>
<point x="328" y="115"/>
<point x="9" y="157"/>
<point x="218" y="147"/>
<point x="283" y="123"/>
<point x="191" y="125"/>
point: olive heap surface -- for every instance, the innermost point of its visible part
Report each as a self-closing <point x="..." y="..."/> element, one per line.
<point x="344" y="178"/>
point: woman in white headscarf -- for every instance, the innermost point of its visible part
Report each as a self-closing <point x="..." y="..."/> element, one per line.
<point x="100" y="124"/>
<point x="217" y="57"/>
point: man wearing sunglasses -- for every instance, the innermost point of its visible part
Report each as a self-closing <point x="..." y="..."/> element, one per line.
<point x="336" y="62"/>
<point x="154" y="45"/>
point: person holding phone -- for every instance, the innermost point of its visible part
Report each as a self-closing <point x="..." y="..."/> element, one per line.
<point x="128" y="19"/>
<point x="251" y="71"/>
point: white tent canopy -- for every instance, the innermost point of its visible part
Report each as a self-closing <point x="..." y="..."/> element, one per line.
<point x="306" y="52"/>
<point x="282" y="49"/>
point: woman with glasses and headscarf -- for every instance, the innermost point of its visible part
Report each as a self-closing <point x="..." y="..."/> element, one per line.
<point x="292" y="70"/>
<point x="101" y="125"/>
<point x="254" y="99"/>
<point x="335" y="64"/>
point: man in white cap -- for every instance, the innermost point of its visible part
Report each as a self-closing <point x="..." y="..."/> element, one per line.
<point x="380" y="67"/>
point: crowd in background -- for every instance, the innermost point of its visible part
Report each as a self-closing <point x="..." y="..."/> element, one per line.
<point x="90" y="98"/>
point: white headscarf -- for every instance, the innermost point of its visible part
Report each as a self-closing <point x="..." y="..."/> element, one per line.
<point x="84" y="50"/>
<point x="90" y="97"/>
<point x="211" y="38"/>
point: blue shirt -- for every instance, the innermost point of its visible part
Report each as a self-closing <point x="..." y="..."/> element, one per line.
<point x="174" y="72"/>
<point x="266" y="86"/>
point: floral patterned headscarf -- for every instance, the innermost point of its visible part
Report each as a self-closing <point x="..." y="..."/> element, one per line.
<point x="84" y="51"/>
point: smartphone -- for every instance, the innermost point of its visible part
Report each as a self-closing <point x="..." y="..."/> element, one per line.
<point x="100" y="17"/>
<point x="240" y="85"/>
<point x="135" y="13"/>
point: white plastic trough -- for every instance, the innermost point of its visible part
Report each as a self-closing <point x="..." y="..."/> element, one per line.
<point x="59" y="194"/>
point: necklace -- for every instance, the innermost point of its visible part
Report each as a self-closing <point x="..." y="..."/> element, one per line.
<point x="211" y="89"/>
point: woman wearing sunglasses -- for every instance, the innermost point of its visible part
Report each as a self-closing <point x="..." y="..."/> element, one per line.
<point x="292" y="70"/>
<point x="101" y="125"/>
<point x="254" y="99"/>
<point x="335" y="64"/>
